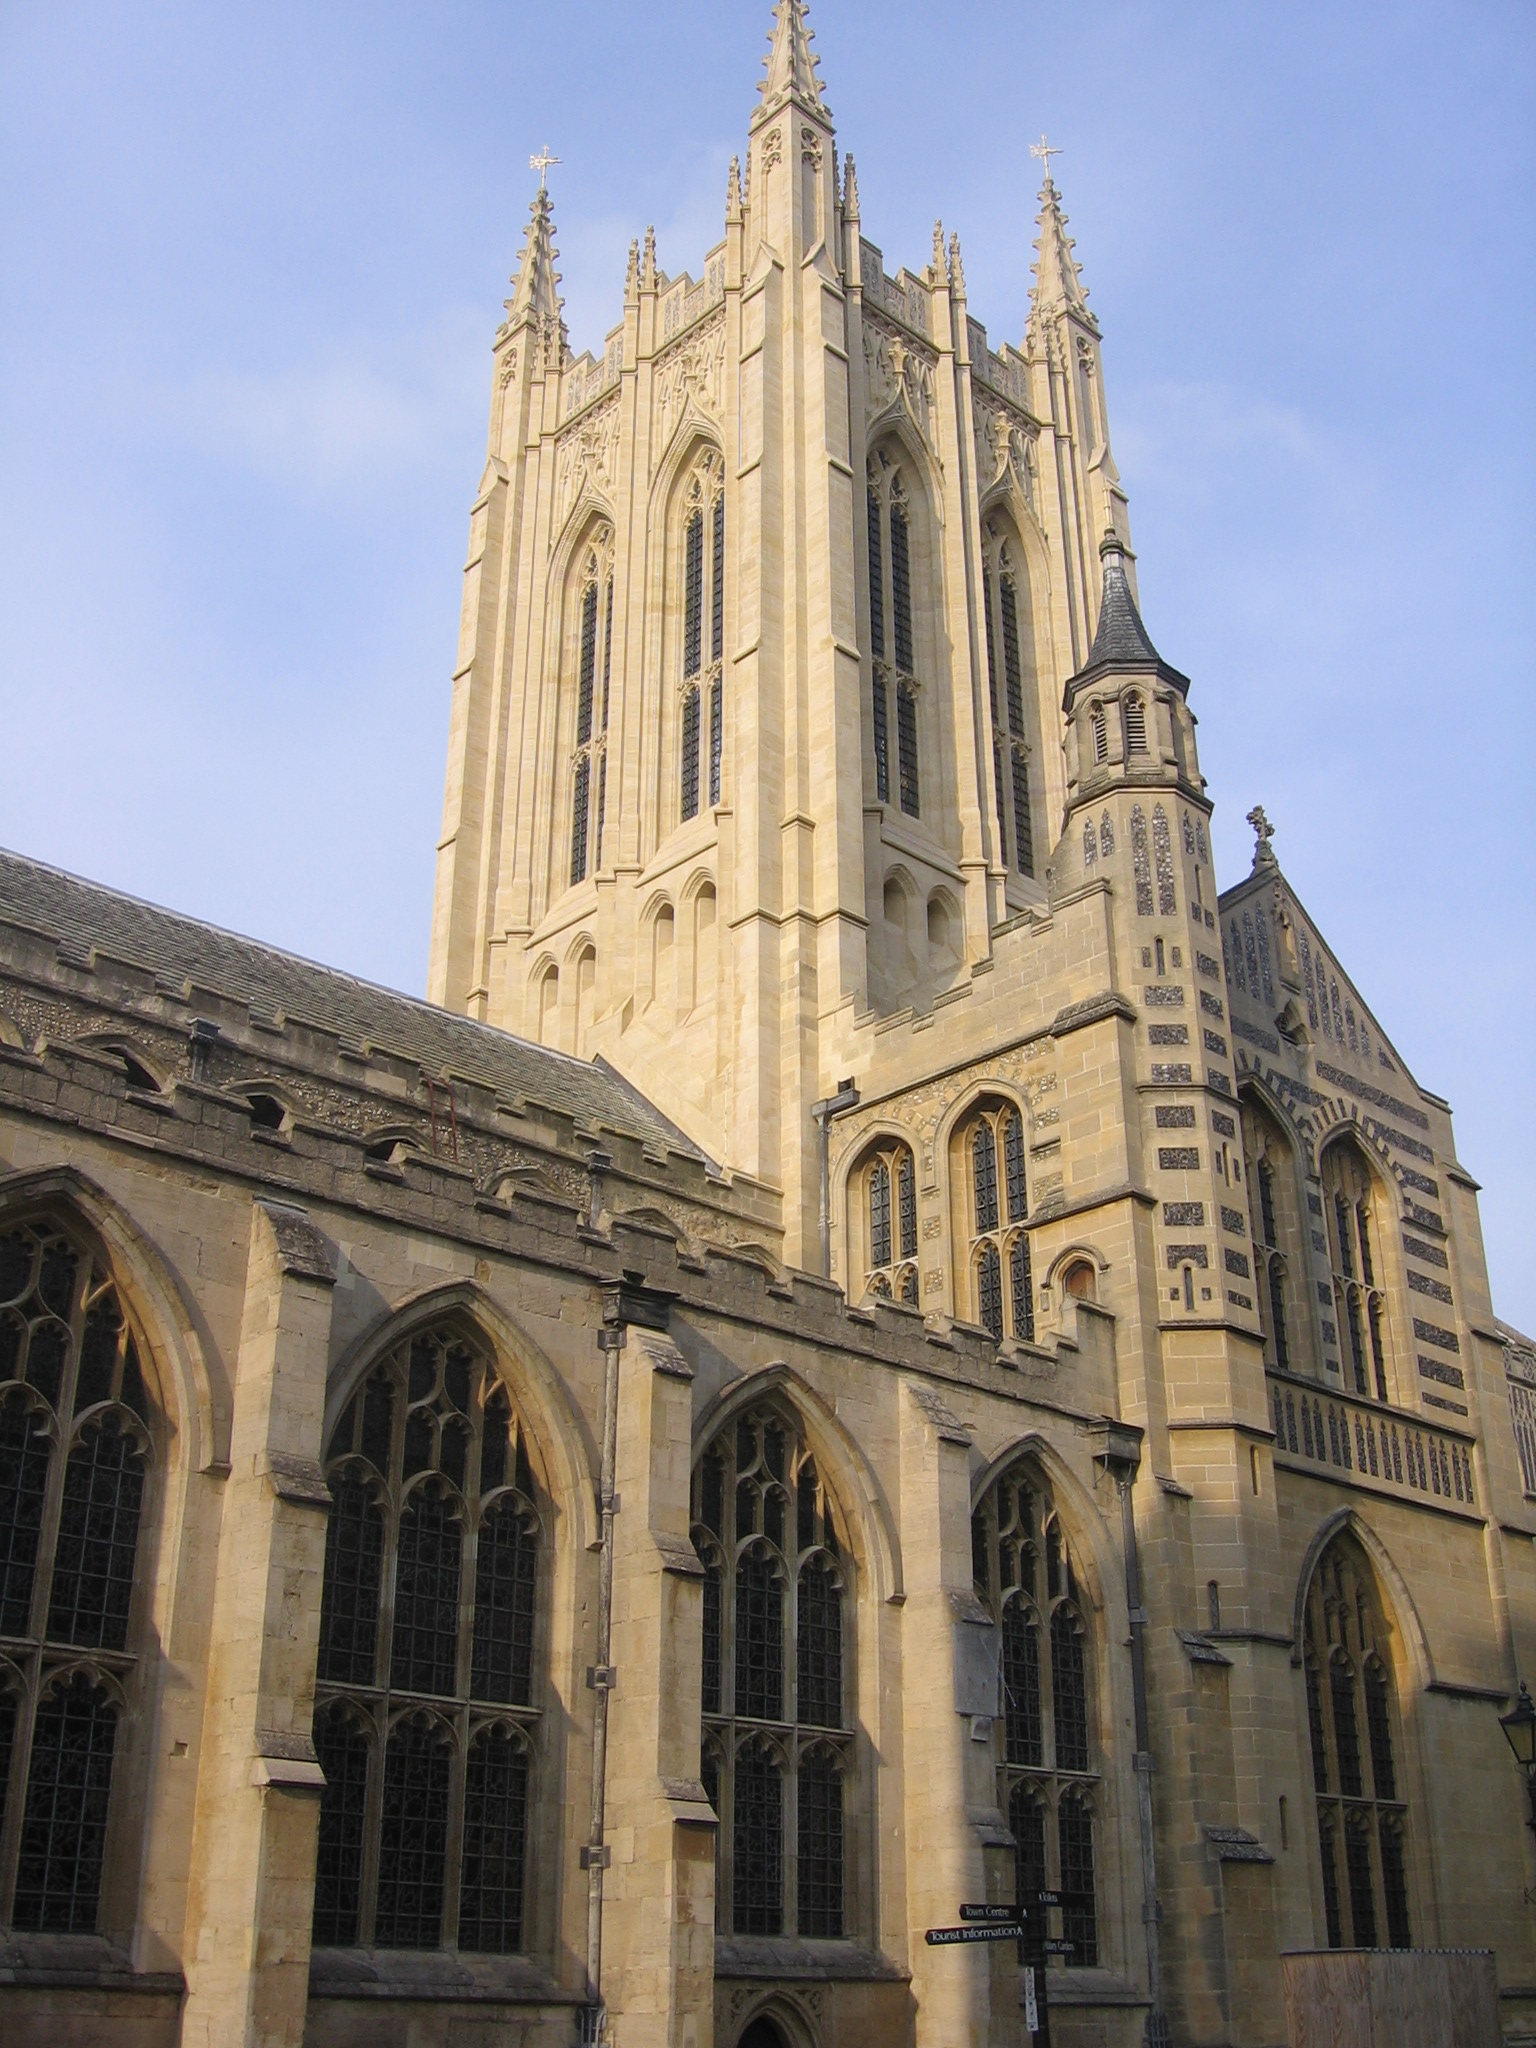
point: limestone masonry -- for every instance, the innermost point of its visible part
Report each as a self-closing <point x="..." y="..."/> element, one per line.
<point x="878" y="1344"/>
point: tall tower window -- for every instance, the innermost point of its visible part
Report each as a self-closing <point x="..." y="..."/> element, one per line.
<point x="1011" y="745"/>
<point x="777" y="1739"/>
<point x="701" y="709"/>
<point x="891" y="638"/>
<point x="1349" y="1202"/>
<point x="1362" y="1816"/>
<point x="990" y="1207"/>
<point x="1048" y="1767"/>
<point x="594" y="663"/>
<point x="426" y="1702"/>
<point x="76" y="1458"/>
<point x="1278" y="1240"/>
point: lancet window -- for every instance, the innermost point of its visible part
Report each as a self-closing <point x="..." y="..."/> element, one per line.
<point x="992" y="1211"/>
<point x="892" y="644"/>
<point x="427" y="1702"/>
<point x="1048" y="1760"/>
<point x="76" y="1463"/>
<point x="1353" y="1723"/>
<point x="1011" y="747"/>
<point x="1274" y="1225"/>
<point x="1350" y="1207"/>
<point x="777" y="1742"/>
<point x="701" y="709"/>
<point x="594" y="670"/>
<point x="887" y="1190"/>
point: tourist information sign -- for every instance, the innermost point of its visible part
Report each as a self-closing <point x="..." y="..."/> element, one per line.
<point x="952" y="1937"/>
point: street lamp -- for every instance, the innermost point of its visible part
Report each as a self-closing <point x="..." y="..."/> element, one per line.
<point x="1519" y="1726"/>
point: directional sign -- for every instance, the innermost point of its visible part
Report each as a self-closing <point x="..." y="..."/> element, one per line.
<point x="952" y="1937"/>
<point x="1011" y="1914"/>
<point x="1059" y="1948"/>
<point x="1049" y="1898"/>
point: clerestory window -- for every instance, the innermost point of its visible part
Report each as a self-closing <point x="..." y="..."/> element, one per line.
<point x="701" y="711"/>
<point x="1048" y="1767"/>
<point x="892" y="645"/>
<point x="427" y="1701"/>
<point x="1349" y="1206"/>
<point x="777" y="1743"/>
<point x="992" y="1211"/>
<point x="886" y="1187"/>
<point x="76" y="1460"/>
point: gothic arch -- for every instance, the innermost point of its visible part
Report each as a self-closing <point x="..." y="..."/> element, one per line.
<point x="695" y="429"/>
<point x="784" y="2012"/>
<point x="1298" y="1130"/>
<point x="1392" y="1589"/>
<point x="564" y="1457"/>
<point x="198" y="1419"/>
<point x="589" y="510"/>
<point x="960" y="1106"/>
<point x="1075" y="1254"/>
<point x="1102" y="1570"/>
<point x="871" y="1526"/>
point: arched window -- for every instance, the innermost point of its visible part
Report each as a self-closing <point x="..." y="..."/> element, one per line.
<point x="1275" y="1230"/>
<point x="1100" y="727"/>
<point x="1048" y="1767"/>
<point x="75" y="1465"/>
<point x="549" y="1007"/>
<point x="1350" y="1208"/>
<point x="1135" y="725"/>
<point x="891" y="640"/>
<point x="777" y="1739"/>
<point x="426" y="1704"/>
<point x="594" y="663"/>
<point x="1001" y="591"/>
<point x="703" y="607"/>
<point x="991" y="1210"/>
<point x="1352" y="1721"/>
<point x="886" y="1193"/>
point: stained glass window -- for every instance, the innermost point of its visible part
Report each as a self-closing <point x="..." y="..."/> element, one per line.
<point x="780" y="1588"/>
<point x="76" y="1397"/>
<point x="999" y="1257"/>
<point x="1366" y="1819"/>
<point x="883" y="1226"/>
<point x="431" y="1448"/>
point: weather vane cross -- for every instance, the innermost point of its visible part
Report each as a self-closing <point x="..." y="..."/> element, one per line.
<point x="1045" y="151"/>
<point x="542" y="162"/>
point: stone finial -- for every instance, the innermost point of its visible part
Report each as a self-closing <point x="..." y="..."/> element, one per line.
<point x="1264" y="832"/>
<point x="850" y="190"/>
<point x="648" y="262"/>
<point x="733" y="190"/>
<point x="940" y="268"/>
<point x="535" y="288"/>
<point x="956" y="272"/>
<point x="1058" y="280"/>
<point x="632" y="275"/>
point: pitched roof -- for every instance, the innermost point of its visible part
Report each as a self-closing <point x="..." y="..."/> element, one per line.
<point x="181" y="952"/>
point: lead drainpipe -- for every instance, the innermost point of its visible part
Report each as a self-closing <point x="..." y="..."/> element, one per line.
<point x="595" y="1855"/>
<point x="1119" y="1454"/>
<point x="846" y="1098"/>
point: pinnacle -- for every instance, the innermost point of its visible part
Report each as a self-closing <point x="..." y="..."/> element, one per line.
<point x="1058" y="279"/>
<point x="535" y="293"/>
<point x="733" y="190"/>
<point x="850" y="190"/>
<point x="790" y="66"/>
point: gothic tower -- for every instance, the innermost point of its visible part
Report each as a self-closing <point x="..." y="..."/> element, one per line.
<point x="756" y="738"/>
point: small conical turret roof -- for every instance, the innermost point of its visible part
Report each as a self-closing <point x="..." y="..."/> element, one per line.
<point x="535" y="289"/>
<point x="791" y="68"/>
<point x="1120" y="640"/>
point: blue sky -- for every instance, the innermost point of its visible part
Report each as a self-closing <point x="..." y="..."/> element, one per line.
<point x="251" y="259"/>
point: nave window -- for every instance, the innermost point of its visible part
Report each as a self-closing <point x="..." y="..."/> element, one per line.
<point x="426" y="1713"/>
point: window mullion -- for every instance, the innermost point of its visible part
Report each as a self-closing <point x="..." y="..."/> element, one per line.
<point x="16" y="1792"/>
<point x="373" y="1814"/>
<point x="453" y="1848"/>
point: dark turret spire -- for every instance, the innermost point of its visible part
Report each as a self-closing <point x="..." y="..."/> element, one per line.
<point x="1121" y="641"/>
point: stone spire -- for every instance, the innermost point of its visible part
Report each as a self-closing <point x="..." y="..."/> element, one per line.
<point x="1058" y="280"/>
<point x="535" y="294"/>
<point x="1121" y="642"/>
<point x="790" y="66"/>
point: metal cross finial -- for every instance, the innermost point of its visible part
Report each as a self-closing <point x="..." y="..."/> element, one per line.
<point x="542" y="162"/>
<point x="1045" y="151"/>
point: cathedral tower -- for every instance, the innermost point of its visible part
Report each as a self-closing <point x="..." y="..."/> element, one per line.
<point x="756" y="737"/>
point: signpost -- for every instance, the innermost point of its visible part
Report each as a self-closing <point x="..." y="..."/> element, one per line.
<point x="1007" y="1923"/>
<point x="952" y="1937"/>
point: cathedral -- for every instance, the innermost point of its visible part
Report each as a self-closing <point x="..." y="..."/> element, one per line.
<point x="844" y="1103"/>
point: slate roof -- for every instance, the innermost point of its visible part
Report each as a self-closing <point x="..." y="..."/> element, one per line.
<point x="182" y="953"/>
<point x="1120" y="639"/>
